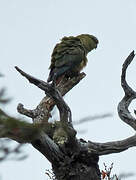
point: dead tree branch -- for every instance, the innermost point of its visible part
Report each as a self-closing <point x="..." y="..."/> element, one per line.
<point x="92" y="118"/>
<point x="130" y="94"/>
<point x="71" y="158"/>
<point x="48" y="148"/>
<point x="112" y="147"/>
<point x="42" y="111"/>
<point x="124" y="114"/>
<point x="65" y="112"/>
<point x="64" y="131"/>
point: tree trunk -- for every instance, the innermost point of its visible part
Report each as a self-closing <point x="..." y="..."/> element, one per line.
<point x="71" y="158"/>
<point x="83" y="167"/>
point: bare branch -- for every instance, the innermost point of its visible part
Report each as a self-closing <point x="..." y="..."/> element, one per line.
<point x="112" y="147"/>
<point x="65" y="112"/>
<point x="48" y="148"/>
<point x="130" y="94"/>
<point x="124" y="114"/>
<point x="45" y="143"/>
<point x="42" y="111"/>
<point x="26" y="112"/>
<point x="92" y="118"/>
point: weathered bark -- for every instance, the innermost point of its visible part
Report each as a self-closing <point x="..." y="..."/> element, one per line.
<point x="70" y="161"/>
<point x="71" y="158"/>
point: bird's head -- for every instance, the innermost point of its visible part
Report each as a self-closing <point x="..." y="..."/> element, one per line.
<point x="89" y="42"/>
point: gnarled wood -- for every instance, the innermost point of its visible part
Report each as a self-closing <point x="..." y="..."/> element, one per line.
<point x="74" y="159"/>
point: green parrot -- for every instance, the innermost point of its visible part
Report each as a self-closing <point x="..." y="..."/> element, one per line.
<point x="69" y="56"/>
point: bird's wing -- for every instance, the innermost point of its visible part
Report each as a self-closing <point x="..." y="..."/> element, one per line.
<point x="68" y="52"/>
<point x="70" y="57"/>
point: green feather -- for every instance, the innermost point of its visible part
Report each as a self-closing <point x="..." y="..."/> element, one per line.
<point x="69" y="55"/>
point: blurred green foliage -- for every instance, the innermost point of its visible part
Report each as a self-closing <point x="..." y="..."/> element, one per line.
<point x="8" y="149"/>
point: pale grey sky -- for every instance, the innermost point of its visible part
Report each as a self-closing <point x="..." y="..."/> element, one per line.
<point x="29" y="30"/>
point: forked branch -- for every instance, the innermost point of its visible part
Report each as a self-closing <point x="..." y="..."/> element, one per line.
<point x="124" y="114"/>
<point x="52" y="92"/>
<point x="130" y="94"/>
<point x="42" y="111"/>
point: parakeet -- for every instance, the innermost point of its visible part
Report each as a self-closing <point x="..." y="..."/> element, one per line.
<point x="69" y="56"/>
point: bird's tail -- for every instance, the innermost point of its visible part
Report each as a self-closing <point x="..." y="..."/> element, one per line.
<point x="50" y="77"/>
<point x="57" y="72"/>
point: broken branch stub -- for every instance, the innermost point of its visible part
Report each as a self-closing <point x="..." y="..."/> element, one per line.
<point x="42" y="112"/>
<point x="65" y="112"/>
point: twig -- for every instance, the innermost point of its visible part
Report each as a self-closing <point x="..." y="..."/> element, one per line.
<point x="92" y="118"/>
